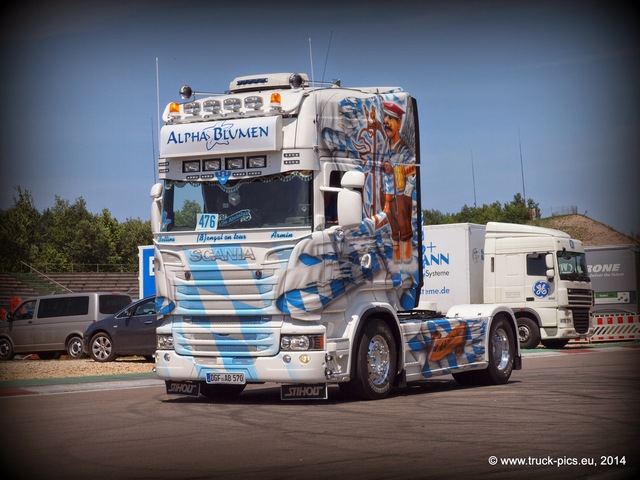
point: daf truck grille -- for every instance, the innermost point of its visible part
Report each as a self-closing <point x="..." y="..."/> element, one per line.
<point x="581" y="319"/>
<point x="580" y="297"/>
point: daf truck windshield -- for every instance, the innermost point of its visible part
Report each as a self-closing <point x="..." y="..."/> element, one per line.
<point x="281" y="200"/>
<point x="573" y="266"/>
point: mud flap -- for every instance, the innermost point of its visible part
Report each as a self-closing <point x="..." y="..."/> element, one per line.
<point x="304" y="392"/>
<point x="191" y="389"/>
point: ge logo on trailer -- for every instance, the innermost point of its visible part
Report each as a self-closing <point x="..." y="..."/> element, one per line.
<point x="541" y="289"/>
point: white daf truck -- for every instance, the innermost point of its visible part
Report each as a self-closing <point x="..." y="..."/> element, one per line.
<point x="288" y="248"/>
<point x="540" y="273"/>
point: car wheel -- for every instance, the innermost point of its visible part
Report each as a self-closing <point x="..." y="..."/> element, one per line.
<point x="74" y="348"/>
<point x="101" y="348"/>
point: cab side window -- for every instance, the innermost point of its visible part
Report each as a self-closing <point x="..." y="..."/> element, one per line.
<point x="331" y="199"/>
<point x="536" y="265"/>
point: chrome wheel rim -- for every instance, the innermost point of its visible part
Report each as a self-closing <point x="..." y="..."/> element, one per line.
<point x="378" y="360"/>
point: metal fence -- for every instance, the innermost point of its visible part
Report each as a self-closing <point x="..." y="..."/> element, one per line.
<point x="556" y="211"/>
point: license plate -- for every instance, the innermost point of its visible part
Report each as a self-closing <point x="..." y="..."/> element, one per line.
<point x="226" y="378"/>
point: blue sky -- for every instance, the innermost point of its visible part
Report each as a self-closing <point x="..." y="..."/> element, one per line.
<point x="558" y="80"/>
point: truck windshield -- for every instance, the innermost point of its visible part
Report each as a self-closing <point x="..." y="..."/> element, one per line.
<point x="572" y="266"/>
<point x="281" y="200"/>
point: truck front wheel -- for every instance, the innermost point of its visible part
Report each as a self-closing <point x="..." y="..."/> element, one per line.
<point x="528" y="333"/>
<point x="375" y="363"/>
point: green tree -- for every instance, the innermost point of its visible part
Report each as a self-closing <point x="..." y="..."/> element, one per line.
<point x="134" y="233"/>
<point x="188" y="214"/>
<point x="19" y="231"/>
<point x="515" y="211"/>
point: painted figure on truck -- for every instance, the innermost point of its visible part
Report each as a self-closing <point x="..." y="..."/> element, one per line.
<point x="388" y="161"/>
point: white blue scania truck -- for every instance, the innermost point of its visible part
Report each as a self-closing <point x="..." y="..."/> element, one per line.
<point x="288" y="248"/>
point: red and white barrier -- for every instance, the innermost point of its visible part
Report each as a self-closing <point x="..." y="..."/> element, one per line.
<point x="613" y="327"/>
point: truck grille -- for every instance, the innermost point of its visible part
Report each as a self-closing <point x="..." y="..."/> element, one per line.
<point x="232" y="335"/>
<point x="580" y="297"/>
<point x="581" y="319"/>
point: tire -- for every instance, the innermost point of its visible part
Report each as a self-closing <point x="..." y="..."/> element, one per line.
<point x="6" y="349"/>
<point x="101" y="348"/>
<point x="501" y="353"/>
<point x="375" y="363"/>
<point x="74" y="348"/>
<point x="528" y="332"/>
<point x="221" y="392"/>
<point x="555" y="343"/>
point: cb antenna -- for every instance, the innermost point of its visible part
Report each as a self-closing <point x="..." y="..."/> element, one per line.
<point x="327" y="57"/>
<point x="311" y="59"/>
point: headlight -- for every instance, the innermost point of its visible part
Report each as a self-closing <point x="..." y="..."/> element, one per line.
<point x="302" y="342"/>
<point x="164" y="342"/>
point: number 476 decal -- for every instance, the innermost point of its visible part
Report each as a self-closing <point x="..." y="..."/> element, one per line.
<point x="207" y="221"/>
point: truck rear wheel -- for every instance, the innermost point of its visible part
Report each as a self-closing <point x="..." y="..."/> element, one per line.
<point x="375" y="363"/>
<point x="528" y="332"/>
<point x="501" y="353"/>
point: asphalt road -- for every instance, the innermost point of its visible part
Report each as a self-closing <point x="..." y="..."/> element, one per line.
<point x="570" y="407"/>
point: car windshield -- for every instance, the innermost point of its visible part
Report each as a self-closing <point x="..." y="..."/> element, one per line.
<point x="281" y="200"/>
<point x="573" y="266"/>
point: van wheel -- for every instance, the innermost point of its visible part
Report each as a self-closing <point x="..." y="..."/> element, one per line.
<point x="101" y="348"/>
<point x="375" y="363"/>
<point x="74" y="348"/>
<point x="528" y="333"/>
<point x="6" y="349"/>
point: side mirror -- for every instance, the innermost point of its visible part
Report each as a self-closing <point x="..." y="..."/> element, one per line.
<point x="548" y="260"/>
<point x="156" y="207"/>
<point x="349" y="200"/>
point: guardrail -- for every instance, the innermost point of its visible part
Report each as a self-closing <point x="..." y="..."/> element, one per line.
<point x="613" y="327"/>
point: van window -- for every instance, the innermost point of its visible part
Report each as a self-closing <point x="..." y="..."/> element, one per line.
<point x="63" y="307"/>
<point x="111" y="304"/>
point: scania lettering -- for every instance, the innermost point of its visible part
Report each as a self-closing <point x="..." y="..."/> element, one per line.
<point x="296" y="248"/>
<point x="540" y="273"/>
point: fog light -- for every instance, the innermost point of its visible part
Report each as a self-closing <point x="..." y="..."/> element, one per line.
<point x="286" y="359"/>
<point x="305" y="359"/>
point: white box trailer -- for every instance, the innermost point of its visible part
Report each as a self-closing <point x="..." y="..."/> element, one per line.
<point x="540" y="273"/>
<point x="452" y="265"/>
